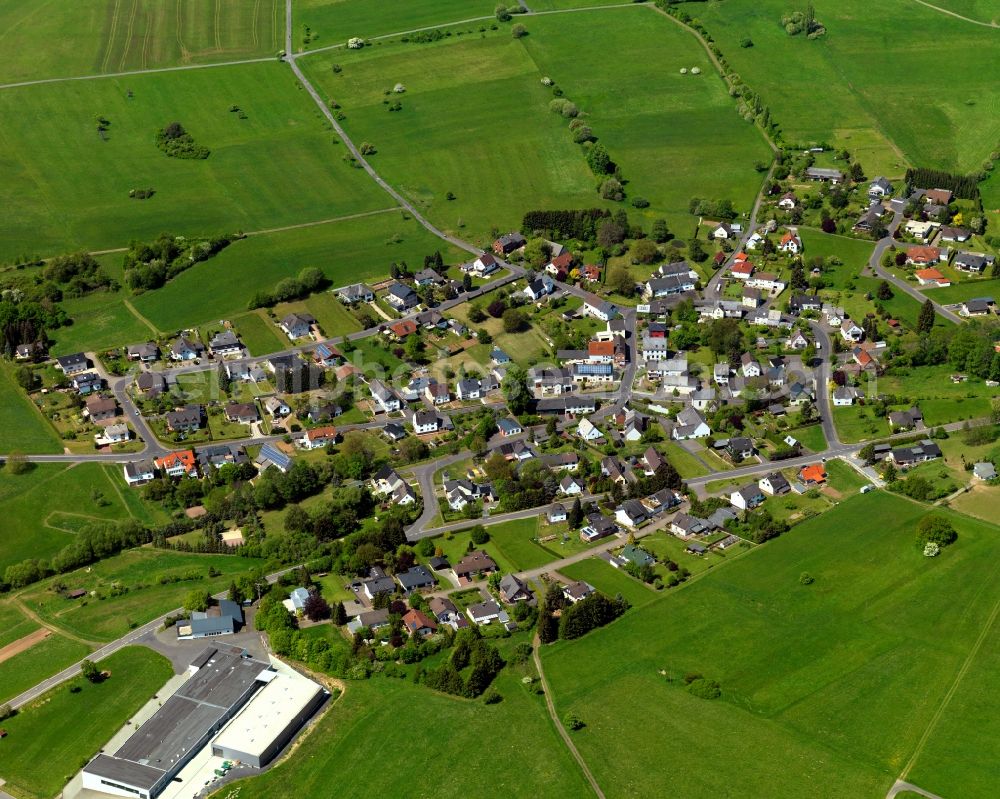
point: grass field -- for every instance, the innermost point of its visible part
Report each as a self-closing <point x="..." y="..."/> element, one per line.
<point x="684" y="462"/>
<point x="50" y="38"/>
<point x="139" y="571"/>
<point x="86" y="492"/>
<point x="610" y="580"/>
<point x="532" y="763"/>
<point x="811" y="437"/>
<point x="334" y="319"/>
<point x="13" y="624"/>
<point x="940" y="400"/>
<point x="335" y="21"/>
<point x="258" y="333"/>
<point x="25" y="430"/>
<point x="346" y="251"/>
<point x="854" y="254"/>
<point x="867" y="110"/>
<point x="842" y="676"/>
<point x="67" y="188"/>
<point x="48" y="656"/>
<point x="530" y="161"/>
<point x="99" y="320"/>
<point x="51" y="738"/>
<point x="959" y="292"/>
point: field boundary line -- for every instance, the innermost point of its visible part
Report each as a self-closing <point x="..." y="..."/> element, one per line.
<point x="953" y="689"/>
<point x="118" y="493"/>
<point x="958" y="16"/>
<point x="318" y="222"/>
<point x="48" y="625"/>
<point x="551" y="707"/>
<point x="154" y="71"/>
<point x="132" y="310"/>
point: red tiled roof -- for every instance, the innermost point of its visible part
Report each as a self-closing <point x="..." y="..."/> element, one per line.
<point x="813" y="473"/>
<point x="601" y="348"/>
<point x="329" y="431"/>
<point x="929" y="274"/>
<point x="562" y="261"/>
<point x="403" y="328"/>
<point x="183" y="458"/>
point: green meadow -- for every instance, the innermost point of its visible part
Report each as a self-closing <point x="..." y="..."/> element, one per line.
<point x="40" y="520"/>
<point x="439" y="730"/>
<point x="828" y="91"/>
<point x="674" y="137"/>
<point x="841" y="676"/>
<point x="56" y="39"/>
<point x="66" y="188"/>
<point x="50" y="739"/>
<point x="24" y="428"/>
<point x="155" y="582"/>
<point x="48" y="656"/>
<point x="333" y="22"/>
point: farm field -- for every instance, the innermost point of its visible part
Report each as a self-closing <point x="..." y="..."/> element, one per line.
<point x="100" y="320"/>
<point x="25" y="429"/>
<point x="868" y="110"/>
<point x="54" y="39"/>
<point x="979" y="10"/>
<point x="40" y="520"/>
<point x="155" y="582"/>
<point x="51" y="738"/>
<point x="333" y="22"/>
<point x="48" y="656"/>
<point x="532" y="763"/>
<point x="347" y="251"/>
<point x="843" y="675"/>
<point x="453" y="84"/>
<point x="80" y="199"/>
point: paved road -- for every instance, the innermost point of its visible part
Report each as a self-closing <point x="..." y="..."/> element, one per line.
<point x="424" y="475"/>
<point x="875" y="264"/>
<point x="133" y="636"/>
<point x="899" y="786"/>
<point x="824" y="348"/>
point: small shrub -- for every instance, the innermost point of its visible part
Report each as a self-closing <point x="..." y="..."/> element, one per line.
<point x="806" y="579"/>
<point x="573" y="722"/>
<point x="492" y="697"/>
<point x="705" y="689"/>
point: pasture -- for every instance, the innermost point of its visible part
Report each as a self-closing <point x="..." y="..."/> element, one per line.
<point x="132" y="588"/>
<point x="49" y="656"/>
<point x="870" y="111"/>
<point x="40" y="520"/>
<point x="347" y="251"/>
<point x="55" y="39"/>
<point x="24" y="428"/>
<point x="13" y="624"/>
<point x="475" y="115"/>
<point x="68" y="188"/>
<point x="52" y="737"/>
<point x="841" y="676"/>
<point x="534" y="762"/>
<point x="333" y="22"/>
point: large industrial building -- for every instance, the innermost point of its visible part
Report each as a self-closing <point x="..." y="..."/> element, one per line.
<point x="226" y="685"/>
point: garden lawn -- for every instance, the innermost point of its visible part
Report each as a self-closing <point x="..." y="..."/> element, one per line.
<point x="842" y="477"/>
<point x="447" y="138"/>
<point x="258" y="333"/>
<point x="940" y="400"/>
<point x="52" y="737"/>
<point x="869" y="111"/>
<point x="853" y="253"/>
<point x="52" y="38"/>
<point x="67" y="188"/>
<point x="811" y="437"/>
<point x="842" y="676"/>
<point x="49" y="656"/>
<point x="609" y="580"/>
<point x="24" y="428"/>
<point x="684" y="462"/>
<point x="966" y="290"/>
<point x="534" y="762"/>
<point x="346" y="251"/>
<point x="856" y="423"/>
<point x="40" y="505"/>
<point x="515" y="540"/>
<point x="139" y="571"/>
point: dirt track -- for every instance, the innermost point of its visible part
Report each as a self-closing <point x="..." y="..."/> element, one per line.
<point x="23" y="644"/>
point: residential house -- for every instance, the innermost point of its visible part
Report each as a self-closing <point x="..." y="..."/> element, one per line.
<point x="184" y="349"/>
<point x="726" y="230"/>
<point x="931" y="277"/>
<point x="178" y="464"/>
<point x="845" y="395"/>
<point x="100" y="409"/>
<point x="599" y="309"/>
<point x="318" y="437"/>
<point x="740" y="448"/>
<point x="402" y="329"/>
<point x="186" y="419"/>
<point x="401" y="297"/>
<point x="224" y="343"/>
<point x="513" y="589"/>
<point x="446" y="612"/>
<point x="73" y="364"/>
<point x="774" y="483"/>
<point x="416" y="578"/>
<point x="427" y="277"/>
<point x="377" y="582"/>
<point x="276" y="406"/>
<point x="115" y="433"/>
<point x="684" y="525"/>
<point x="327" y="355"/>
<point x="746" y="498"/>
<point x="219" y="455"/>
<point x="570" y="486"/>
<point x="270" y="456"/>
<point x="242" y="412"/>
<point x="417" y="622"/>
<point x="973" y="262"/>
<point x="937" y="196"/>
<point x="905" y="457"/>
<point x="879" y="189"/>
<point x="905" y="420"/>
<point x="921" y="231"/>
<point x="749" y="366"/>
<point x="922" y="256"/>
<point x="984" y="471"/>
<point x="437" y="393"/>
<point x="849" y="331"/>
<point x="742" y="270"/>
<point x="576" y="591"/>
<point x="720" y="374"/>
<point x="508" y="243"/>
<point x="473" y="566"/>
<point x="355" y="293"/>
<point x="824" y="175"/>
<point x="812" y="475"/>
<point x="767" y="281"/>
<point x="568" y="405"/>
<point x="425" y="422"/>
<point x="588" y="432"/>
<point x="978" y="306"/>
<point x="751" y="297"/>
<point x="788" y="201"/>
<point x="143" y="353"/>
<point x="658" y="287"/>
<point x="797" y="341"/>
<point x="598" y="526"/>
<point x="539" y="287"/>
<point x="690" y="424"/>
<point x="955" y="233"/>
<point x="487" y="612"/>
<point x="556" y="513"/>
<point x="560" y="265"/>
<point x="790" y="243"/>
<point x="385" y="398"/>
<point x="139" y="472"/>
<point x="369" y="620"/>
<point x="591" y="273"/>
<point x="631" y="513"/>
<point x="509" y="427"/>
<point x="637" y="555"/>
<point x="870" y="219"/>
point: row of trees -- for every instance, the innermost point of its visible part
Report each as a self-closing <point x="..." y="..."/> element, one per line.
<point x="150" y="265"/>
<point x="309" y="280"/>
